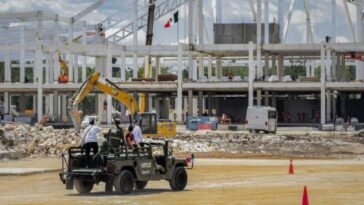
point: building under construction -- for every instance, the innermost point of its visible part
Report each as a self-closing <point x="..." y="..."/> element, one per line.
<point x="237" y="65"/>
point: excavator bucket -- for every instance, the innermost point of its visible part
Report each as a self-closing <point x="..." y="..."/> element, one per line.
<point x="76" y="118"/>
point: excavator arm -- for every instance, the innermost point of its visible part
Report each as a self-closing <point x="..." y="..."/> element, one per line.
<point x="108" y="88"/>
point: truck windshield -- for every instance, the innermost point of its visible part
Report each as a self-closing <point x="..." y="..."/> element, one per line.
<point x="272" y="115"/>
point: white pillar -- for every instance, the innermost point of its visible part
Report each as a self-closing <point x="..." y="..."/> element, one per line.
<point x="328" y="105"/>
<point x="266" y="98"/>
<point x="280" y="18"/>
<point x="22" y="55"/>
<point x="63" y="108"/>
<point x="328" y="65"/>
<point x="333" y="20"/>
<point x="251" y="74"/>
<point x="259" y="39"/>
<point x="7" y="72"/>
<point x="69" y="54"/>
<point x="84" y="59"/>
<point x="323" y="86"/>
<point x="218" y="11"/>
<point x="135" y="38"/>
<point x="359" y="33"/>
<point x="56" y="67"/>
<point x="280" y="67"/>
<point x="122" y="65"/>
<point x="259" y="97"/>
<point x="266" y="21"/>
<point x="200" y="67"/>
<point x="146" y="66"/>
<point x="6" y="102"/>
<point x="209" y="67"/>
<point x="179" y="85"/>
<point x="39" y="65"/>
<point x="200" y="21"/>
<point x="157" y="67"/>
<point x="190" y="39"/>
<point x="109" y="75"/>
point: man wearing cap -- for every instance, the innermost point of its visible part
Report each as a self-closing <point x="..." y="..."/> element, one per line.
<point x="89" y="138"/>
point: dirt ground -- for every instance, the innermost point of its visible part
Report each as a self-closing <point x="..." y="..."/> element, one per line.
<point x="212" y="181"/>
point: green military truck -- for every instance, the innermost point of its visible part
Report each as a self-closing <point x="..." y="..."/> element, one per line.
<point x="121" y="168"/>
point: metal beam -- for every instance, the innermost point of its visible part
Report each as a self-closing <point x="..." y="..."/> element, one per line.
<point x="289" y="17"/>
<point x="88" y="10"/>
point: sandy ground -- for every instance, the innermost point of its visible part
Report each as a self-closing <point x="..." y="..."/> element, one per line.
<point x="213" y="181"/>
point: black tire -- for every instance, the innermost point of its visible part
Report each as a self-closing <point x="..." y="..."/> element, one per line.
<point x="124" y="182"/>
<point x="179" y="179"/>
<point x="83" y="187"/>
<point x="140" y="184"/>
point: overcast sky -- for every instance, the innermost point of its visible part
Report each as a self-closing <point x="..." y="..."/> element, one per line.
<point x="233" y="11"/>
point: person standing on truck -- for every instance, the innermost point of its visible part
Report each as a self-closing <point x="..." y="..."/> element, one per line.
<point x="130" y="138"/>
<point x="89" y="138"/>
<point x="137" y="132"/>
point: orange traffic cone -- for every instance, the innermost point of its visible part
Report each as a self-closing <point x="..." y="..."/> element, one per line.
<point x="305" y="196"/>
<point x="290" y="169"/>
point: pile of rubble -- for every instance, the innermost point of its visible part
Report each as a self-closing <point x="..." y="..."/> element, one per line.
<point x="22" y="140"/>
<point x="305" y="144"/>
<point x="35" y="141"/>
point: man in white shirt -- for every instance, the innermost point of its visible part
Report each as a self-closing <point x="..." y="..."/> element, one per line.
<point x="138" y="136"/>
<point x="89" y="138"/>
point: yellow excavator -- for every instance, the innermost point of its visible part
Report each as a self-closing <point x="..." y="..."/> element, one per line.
<point x="148" y="122"/>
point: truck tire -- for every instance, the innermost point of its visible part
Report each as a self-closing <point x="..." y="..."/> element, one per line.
<point x="83" y="187"/>
<point x="179" y="179"/>
<point x="124" y="182"/>
<point x="140" y="184"/>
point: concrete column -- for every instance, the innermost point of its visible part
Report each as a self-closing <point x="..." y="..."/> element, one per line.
<point x="259" y="39"/>
<point x="157" y="106"/>
<point x="323" y="86"/>
<point x="280" y="67"/>
<point x="157" y="68"/>
<point x="101" y="98"/>
<point x="190" y="39"/>
<point x="308" y="68"/>
<point x="190" y="103"/>
<point x="56" y="68"/>
<point x="312" y="69"/>
<point x="200" y="20"/>
<point x="251" y="74"/>
<point x="218" y="67"/>
<point x="209" y="104"/>
<point x="333" y="20"/>
<point x="100" y="65"/>
<point x="218" y="11"/>
<point x="75" y="68"/>
<point x="55" y="106"/>
<point x="179" y="105"/>
<point x="200" y="103"/>
<point x="209" y="67"/>
<point x="38" y="64"/>
<point x="259" y="97"/>
<point x="328" y="105"/>
<point x="185" y="108"/>
<point x="266" y="98"/>
<point x="51" y="108"/>
<point x="83" y="58"/>
<point x="200" y="67"/>
<point x="6" y="102"/>
<point x="70" y="55"/>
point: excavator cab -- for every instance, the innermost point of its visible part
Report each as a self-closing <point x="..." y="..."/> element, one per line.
<point x="148" y="123"/>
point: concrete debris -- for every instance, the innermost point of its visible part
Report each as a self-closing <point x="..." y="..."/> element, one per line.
<point x="22" y="140"/>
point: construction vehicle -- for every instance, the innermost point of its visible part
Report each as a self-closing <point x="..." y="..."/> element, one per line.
<point x="148" y="122"/>
<point x="122" y="168"/>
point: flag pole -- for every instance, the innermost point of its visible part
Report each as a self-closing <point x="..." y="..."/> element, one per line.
<point x="177" y="31"/>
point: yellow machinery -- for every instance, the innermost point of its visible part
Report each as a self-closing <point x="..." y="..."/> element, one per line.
<point x="147" y="121"/>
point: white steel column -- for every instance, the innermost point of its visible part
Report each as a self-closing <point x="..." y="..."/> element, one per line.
<point x="122" y="65"/>
<point x="179" y="85"/>
<point x="209" y="67"/>
<point x="360" y="37"/>
<point x="266" y="21"/>
<point x="157" y="67"/>
<point x="69" y="54"/>
<point x="56" y="66"/>
<point x="251" y="74"/>
<point x="333" y="20"/>
<point x="280" y="19"/>
<point x="259" y="38"/>
<point x="109" y="75"/>
<point x="135" y="38"/>
<point x="84" y="60"/>
<point x="22" y="55"/>
<point x="6" y="102"/>
<point x="7" y="72"/>
<point x="323" y="86"/>
<point x="200" y="67"/>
